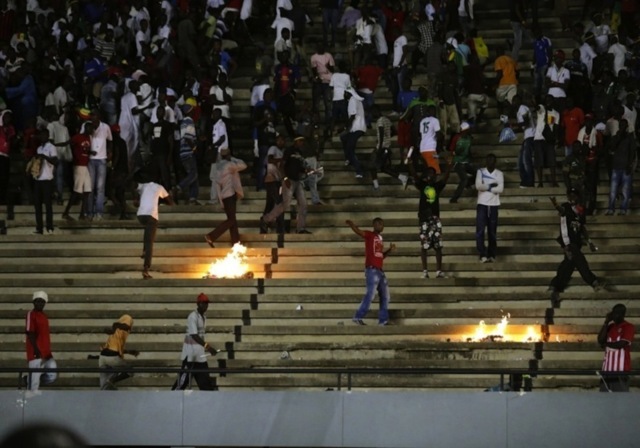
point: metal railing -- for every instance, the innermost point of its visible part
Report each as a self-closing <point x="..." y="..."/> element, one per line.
<point x="340" y="372"/>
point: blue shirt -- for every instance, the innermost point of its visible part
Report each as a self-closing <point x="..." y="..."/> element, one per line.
<point x="541" y="51"/>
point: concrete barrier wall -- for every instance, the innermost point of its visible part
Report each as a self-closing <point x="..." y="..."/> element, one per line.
<point x="334" y="419"/>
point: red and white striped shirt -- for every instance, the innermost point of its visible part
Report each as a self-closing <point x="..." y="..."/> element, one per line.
<point x="618" y="359"/>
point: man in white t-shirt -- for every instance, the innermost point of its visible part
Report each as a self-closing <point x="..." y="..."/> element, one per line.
<point x="322" y="65"/>
<point x="399" y="65"/>
<point x="150" y="192"/>
<point x="489" y="184"/>
<point x="587" y="54"/>
<point x="193" y="354"/>
<point x="100" y="152"/>
<point x="429" y="135"/>
<point x="619" y="53"/>
<point x="526" y="122"/>
<point x="221" y="96"/>
<point x="558" y="78"/>
<point x="356" y="129"/>
<point x="43" y="185"/>
<point x="340" y="81"/>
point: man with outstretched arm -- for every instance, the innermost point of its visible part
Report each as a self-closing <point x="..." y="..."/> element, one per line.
<point x="375" y="277"/>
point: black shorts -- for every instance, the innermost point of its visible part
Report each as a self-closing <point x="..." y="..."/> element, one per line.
<point x="544" y="154"/>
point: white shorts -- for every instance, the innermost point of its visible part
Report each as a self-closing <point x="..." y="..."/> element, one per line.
<point x="35" y="379"/>
<point x="81" y="179"/>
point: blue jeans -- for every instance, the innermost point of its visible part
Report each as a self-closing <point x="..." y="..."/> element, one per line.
<point x="486" y="218"/>
<point x="349" y="142"/>
<point x="190" y="182"/>
<point x="525" y="163"/>
<point x="329" y="19"/>
<point x="376" y="281"/>
<point x="539" y="75"/>
<point x="98" y="173"/>
<point x="620" y="177"/>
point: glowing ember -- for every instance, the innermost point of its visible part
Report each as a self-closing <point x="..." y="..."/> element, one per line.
<point x="232" y="266"/>
<point x="485" y="333"/>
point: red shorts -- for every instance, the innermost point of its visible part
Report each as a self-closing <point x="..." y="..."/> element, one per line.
<point x="404" y="133"/>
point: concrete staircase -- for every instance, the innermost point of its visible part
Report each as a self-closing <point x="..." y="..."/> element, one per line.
<point x="296" y="311"/>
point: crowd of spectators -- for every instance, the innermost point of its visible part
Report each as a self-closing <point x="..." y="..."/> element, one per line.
<point x="98" y="90"/>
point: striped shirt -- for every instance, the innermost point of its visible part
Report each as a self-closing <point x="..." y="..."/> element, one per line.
<point x="385" y="124"/>
<point x="187" y="137"/>
<point x="618" y="359"/>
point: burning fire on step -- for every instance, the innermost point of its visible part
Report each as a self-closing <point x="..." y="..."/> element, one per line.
<point x="498" y="333"/>
<point x="233" y="265"/>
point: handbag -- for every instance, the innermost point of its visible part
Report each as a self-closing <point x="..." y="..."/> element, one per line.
<point x="34" y="167"/>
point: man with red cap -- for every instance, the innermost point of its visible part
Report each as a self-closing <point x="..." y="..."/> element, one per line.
<point x="194" y="347"/>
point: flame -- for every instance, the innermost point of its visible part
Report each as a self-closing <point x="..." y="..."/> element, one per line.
<point x="484" y="333"/>
<point x="233" y="265"/>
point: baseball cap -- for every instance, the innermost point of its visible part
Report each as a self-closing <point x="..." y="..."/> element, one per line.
<point x="40" y="295"/>
<point x="464" y="126"/>
<point x="202" y="297"/>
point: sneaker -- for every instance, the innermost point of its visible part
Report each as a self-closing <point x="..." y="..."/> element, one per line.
<point x="425" y="274"/>
<point x="347" y="163"/>
<point x="37" y="232"/>
<point x="146" y="275"/>
<point x="193" y="201"/>
<point x="384" y="323"/>
<point x="440" y="274"/>
<point x="49" y="232"/>
<point x="492" y="259"/>
<point x="358" y="321"/>
<point x="598" y="285"/>
<point x="209" y="241"/>
<point x="404" y="179"/>
<point x="609" y="212"/>
<point x="524" y="187"/>
<point x="97" y="218"/>
<point x="263" y="226"/>
<point x="484" y="259"/>
<point x="108" y="386"/>
<point x="359" y="176"/>
<point x="453" y="201"/>
<point x="304" y="232"/>
<point x="66" y="217"/>
<point x="555" y="298"/>
<point x="622" y="212"/>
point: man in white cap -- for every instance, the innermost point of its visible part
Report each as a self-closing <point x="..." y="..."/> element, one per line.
<point x="39" y="343"/>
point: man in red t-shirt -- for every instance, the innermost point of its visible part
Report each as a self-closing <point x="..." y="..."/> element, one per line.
<point x="39" y="343"/>
<point x="374" y="275"/>
<point x="368" y="76"/>
<point x="572" y="121"/>
<point x="615" y="337"/>
<point x="81" y="148"/>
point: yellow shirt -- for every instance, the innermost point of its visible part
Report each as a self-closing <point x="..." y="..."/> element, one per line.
<point x="508" y="67"/>
<point x="115" y="342"/>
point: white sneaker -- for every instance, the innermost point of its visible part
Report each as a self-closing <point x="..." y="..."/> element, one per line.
<point x="404" y="179"/>
<point x="483" y="259"/>
<point x="440" y="274"/>
<point x="359" y="176"/>
<point x="347" y="163"/>
<point x="492" y="259"/>
<point x="425" y="274"/>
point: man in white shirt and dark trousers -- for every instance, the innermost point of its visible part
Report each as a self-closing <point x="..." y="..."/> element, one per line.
<point x="194" y="347"/>
<point x="355" y="129"/>
<point x="43" y="186"/>
<point x="150" y="192"/>
<point x="489" y="183"/>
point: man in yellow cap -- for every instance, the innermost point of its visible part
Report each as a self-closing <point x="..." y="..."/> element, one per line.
<point x="113" y="351"/>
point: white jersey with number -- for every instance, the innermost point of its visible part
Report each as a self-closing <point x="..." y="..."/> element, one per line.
<point x="429" y="126"/>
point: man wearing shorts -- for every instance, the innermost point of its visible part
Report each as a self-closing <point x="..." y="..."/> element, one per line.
<point x="81" y="147"/>
<point x="430" y="134"/>
<point x="429" y="216"/>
